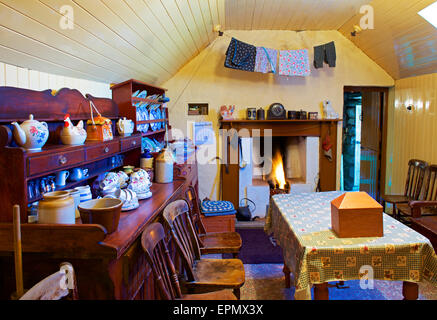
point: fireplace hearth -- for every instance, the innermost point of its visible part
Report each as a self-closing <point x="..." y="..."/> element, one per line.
<point x="275" y="189"/>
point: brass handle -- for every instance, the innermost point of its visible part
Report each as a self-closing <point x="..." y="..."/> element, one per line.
<point x="134" y="143"/>
<point x="106" y="149"/>
<point x="62" y="160"/>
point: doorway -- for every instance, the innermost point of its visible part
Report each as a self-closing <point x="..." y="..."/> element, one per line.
<point x="364" y="140"/>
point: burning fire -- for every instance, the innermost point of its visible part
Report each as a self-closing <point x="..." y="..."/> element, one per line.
<point x="278" y="173"/>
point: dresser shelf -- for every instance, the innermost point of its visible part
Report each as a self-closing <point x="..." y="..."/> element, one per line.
<point x="122" y="95"/>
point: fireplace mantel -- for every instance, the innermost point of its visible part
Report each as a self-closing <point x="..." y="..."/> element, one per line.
<point x="283" y="128"/>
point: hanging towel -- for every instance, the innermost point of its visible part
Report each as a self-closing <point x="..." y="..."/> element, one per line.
<point x="266" y="60"/>
<point x="240" y="56"/>
<point x="330" y="54"/>
<point x="319" y="56"/>
<point x="294" y="63"/>
<point x="325" y="53"/>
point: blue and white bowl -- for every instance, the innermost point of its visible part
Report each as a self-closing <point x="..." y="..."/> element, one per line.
<point x="85" y="193"/>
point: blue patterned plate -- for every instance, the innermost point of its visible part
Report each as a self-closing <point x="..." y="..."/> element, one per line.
<point x="152" y="116"/>
<point x="142" y="94"/>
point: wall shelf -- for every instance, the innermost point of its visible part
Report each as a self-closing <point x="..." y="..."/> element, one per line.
<point x="122" y="95"/>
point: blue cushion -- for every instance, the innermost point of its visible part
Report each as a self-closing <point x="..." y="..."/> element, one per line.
<point x="214" y="214"/>
<point x="209" y="207"/>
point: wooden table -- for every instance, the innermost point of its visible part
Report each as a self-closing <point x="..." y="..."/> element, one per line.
<point x="301" y="224"/>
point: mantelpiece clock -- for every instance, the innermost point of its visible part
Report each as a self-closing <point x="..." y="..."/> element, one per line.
<point x="276" y="112"/>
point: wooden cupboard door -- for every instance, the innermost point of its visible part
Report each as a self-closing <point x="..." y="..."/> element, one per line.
<point x="371" y="143"/>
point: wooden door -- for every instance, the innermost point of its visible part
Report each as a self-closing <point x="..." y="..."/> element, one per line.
<point x="370" y="164"/>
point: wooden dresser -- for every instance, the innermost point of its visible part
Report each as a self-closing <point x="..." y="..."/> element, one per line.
<point x="108" y="266"/>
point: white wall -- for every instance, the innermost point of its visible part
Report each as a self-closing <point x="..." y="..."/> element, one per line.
<point x="205" y="79"/>
<point x="13" y="76"/>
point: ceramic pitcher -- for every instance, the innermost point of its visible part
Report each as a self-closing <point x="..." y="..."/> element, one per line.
<point x="125" y="127"/>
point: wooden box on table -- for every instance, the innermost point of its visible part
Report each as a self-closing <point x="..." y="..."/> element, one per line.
<point x="356" y="215"/>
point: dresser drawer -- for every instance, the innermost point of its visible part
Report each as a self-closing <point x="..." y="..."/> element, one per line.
<point x="102" y="150"/>
<point x="54" y="162"/>
<point x="130" y="143"/>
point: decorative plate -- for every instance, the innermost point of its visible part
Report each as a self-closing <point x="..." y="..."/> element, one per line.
<point x="144" y="196"/>
<point x="152" y="116"/>
<point x="130" y="207"/>
<point x="159" y="116"/>
<point x="142" y="94"/>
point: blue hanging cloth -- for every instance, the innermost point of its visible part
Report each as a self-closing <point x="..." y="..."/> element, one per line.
<point x="240" y="56"/>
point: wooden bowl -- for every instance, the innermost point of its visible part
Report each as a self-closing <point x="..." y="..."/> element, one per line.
<point x="105" y="212"/>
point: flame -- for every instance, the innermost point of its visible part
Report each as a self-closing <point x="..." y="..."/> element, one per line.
<point x="278" y="170"/>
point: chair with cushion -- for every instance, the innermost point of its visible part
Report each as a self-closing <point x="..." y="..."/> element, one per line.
<point x="163" y="269"/>
<point x="211" y="242"/>
<point x="201" y="275"/>
<point x="426" y="199"/>
<point x="413" y="185"/>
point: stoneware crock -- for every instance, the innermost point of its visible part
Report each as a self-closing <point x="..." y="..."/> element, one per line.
<point x="57" y="207"/>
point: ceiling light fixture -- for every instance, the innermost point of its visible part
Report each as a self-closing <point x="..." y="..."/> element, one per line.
<point x="430" y="14"/>
<point x="357" y="30"/>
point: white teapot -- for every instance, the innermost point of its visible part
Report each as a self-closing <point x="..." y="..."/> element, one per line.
<point x="125" y="127"/>
<point x="31" y="134"/>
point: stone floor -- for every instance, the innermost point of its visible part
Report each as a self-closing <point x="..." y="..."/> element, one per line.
<point x="266" y="282"/>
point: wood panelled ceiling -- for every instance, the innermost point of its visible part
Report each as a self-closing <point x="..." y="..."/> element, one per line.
<point x="112" y="40"/>
<point x="402" y="42"/>
<point x="290" y="14"/>
<point x="150" y="40"/>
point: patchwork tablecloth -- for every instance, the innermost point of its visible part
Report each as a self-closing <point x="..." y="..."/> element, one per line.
<point x="301" y="224"/>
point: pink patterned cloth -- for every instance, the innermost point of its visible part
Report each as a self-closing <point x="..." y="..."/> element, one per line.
<point x="294" y="63"/>
<point x="262" y="63"/>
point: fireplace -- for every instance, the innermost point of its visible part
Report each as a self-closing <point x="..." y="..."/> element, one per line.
<point x="287" y="167"/>
<point x="304" y="164"/>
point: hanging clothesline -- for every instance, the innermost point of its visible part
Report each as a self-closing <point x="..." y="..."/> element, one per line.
<point x="247" y="57"/>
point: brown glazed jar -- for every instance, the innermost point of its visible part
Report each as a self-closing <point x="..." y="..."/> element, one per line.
<point x="57" y="207"/>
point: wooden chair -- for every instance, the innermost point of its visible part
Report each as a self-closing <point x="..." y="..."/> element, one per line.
<point x="425" y="225"/>
<point x="211" y="242"/>
<point x="163" y="269"/>
<point x="201" y="275"/>
<point x="59" y="285"/>
<point x="426" y="204"/>
<point x="413" y="185"/>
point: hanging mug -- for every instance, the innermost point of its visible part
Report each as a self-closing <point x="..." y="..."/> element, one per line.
<point x="61" y="177"/>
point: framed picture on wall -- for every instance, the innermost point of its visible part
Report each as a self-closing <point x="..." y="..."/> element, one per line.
<point x="203" y="133"/>
<point x="197" y="109"/>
